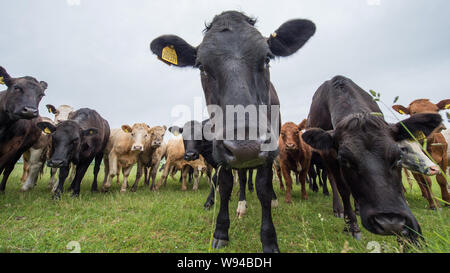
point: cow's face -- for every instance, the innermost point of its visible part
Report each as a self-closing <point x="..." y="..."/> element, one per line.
<point x="290" y="136"/>
<point x="233" y="60"/>
<point x="139" y="135"/>
<point x="157" y="136"/>
<point x="22" y="96"/>
<point x="69" y="140"/>
<point x="193" y="138"/>
<point x="370" y="160"/>
<point x="61" y="113"/>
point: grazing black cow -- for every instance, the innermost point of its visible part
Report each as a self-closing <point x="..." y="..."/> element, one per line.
<point x="194" y="147"/>
<point x="18" y="117"/>
<point x="78" y="140"/>
<point x="233" y="59"/>
<point x="362" y="155"/>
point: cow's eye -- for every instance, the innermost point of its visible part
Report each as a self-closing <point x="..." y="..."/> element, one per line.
<point x="18" y="89"/>
<point x="132" y="134"/>
<point x="345" y="162"/>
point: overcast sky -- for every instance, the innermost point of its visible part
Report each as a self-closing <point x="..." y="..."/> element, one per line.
<point x="95" y="53"/>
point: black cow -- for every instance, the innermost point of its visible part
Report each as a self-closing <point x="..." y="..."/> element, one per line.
<point x="317" y="170"/>
<point x="78" y="140"/>
<point x="233" y="59"/>
<point x="18" y="117"/>
<point x="362" y="155"/>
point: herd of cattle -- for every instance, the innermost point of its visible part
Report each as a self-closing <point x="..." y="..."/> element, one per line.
<point x="344" y="140"/>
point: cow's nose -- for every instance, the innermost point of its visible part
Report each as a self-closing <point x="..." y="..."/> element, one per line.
<point x="290" y="145"/>
<point x="243" y="153"/>
<point x="390" y="224"/>
<point x="29" y="112"/>
<point x="433" y="170"/>
<point x="55" y="163"/>
<point x="190" y="156"/>
<point x="137" y="148"/>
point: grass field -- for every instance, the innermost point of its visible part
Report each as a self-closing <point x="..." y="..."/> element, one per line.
<point x="174" y="221"/>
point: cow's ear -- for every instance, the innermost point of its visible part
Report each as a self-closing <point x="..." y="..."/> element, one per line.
<point x="401" y="109"/>
<point x="51" y="109"/>
<point x="4" y="77"/>
<point x="173" y="50"/>
<point x="89" y="132"/>
<point x="176" y="130"/>
<point x="290" y="37"/>
<point x="165" y="127"/>
<point x="443" y="104"/>
<point x="46" y="127"/>
<point x="43" y="84"/>
<point x="126" y="128"/>
<point x="418" y="125"/>
<point x="319" y="139"/>
<point x="302" y="125"/>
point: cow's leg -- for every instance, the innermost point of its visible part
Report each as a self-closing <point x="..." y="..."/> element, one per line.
<point x="112" y="171"/>
<point x="26" y="166"/>
<point x="35" y="165"/>
<point x="52" y="184"/>
<point x="98" y="161"/>
<point x="119" y="169"/>
<point x="106" y="169"/>
<point x="302" y="178"/>
<point x="444" y="191"/>
<point x="220" y="237"/>
<point x="196" y="178"/>
<point x="6" y="172"/>
<point x="323" y="177"/>
<point x="63" y="173"/>
<point x="80" y="171"/>
<point x="288" y="179"/>
<point x="140" y="169"/>
<point x="164" y="175"/>
<point x="425" y="186"/>
<point x="153" y="173"/>
<point x="250" y="180"/>
<point x="280" y="179"/>
<point x="146" y="176"/>
<point x="126" y="170"/>
<point x="264" y="190"/>
<point x="242" y="204"/>
<point x="184" y="174"/>
<point x="337" y="207"/>
<point x="210" y="200"/>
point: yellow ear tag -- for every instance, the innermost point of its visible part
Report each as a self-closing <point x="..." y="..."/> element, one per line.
<point x="176" y="133"/>
<point x="91" y="132"/>
<point x="420" y="135"/>
<point x="1" y="80"/>
<point x="50" y="110"/>
<point x="168" y="54"/>
<point x="401" y="112"/>
<point x="126" y="131"/>
<point x="447" y="106"/>
<point x="47" y="131"/>
<point x="274" y="35"/>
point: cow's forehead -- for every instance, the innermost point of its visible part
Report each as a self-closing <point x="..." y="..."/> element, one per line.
<point x="65" y="108"/>
<point x="422" y="105"/>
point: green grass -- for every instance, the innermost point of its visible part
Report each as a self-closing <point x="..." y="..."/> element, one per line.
<point x="174" y="221"/>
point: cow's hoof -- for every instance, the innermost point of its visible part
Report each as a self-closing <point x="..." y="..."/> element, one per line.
<point x="208" y="205"/>
<point x="133" y="189"/>
<point x="339" y="214"/>
<point x="274" y="203"/>
<point x="219" y="243"/>
<point x="357" y="236"/>
<point x="123" y="190"/>
<point x="271" y="249"/>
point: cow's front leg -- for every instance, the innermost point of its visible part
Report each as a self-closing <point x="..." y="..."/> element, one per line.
<point x="223" y="218"/>
<point x="63" y="173"/>
<point x="264" y="190"/>
<point x="242" y="204"/>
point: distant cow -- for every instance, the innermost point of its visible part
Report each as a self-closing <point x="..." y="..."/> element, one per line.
<point x="34" y="159"/>
<point x="122" y="152"/>
<point x="362" y="155"/>
<point x="295" y="156"/>
<point x="149" y="159"/>
<point x="175" y="160"/>
<point x="79" y="140"/>
<point x="446" y="134"/>
<point x="317" y="170"/>
<point x="436" y="147"/>
<point x="18" y="118"/>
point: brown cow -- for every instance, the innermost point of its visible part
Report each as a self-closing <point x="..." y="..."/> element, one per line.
<point x="295" y="156"/>
<point x="175" y="159"/>
<point x="436" y="147"/>
<point x="150" y="158"/>
<point x="122" y="151"/>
